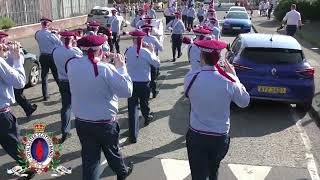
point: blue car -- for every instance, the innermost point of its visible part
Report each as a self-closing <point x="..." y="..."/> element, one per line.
<point x="236" y="21"/>
<point x="273" y="67"/>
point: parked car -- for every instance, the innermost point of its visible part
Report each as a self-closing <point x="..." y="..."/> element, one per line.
<point x="101" y="15"/>
<point x="237" y="21"/>
<point x="32" y="68"/>
<point x="273" y="67"/>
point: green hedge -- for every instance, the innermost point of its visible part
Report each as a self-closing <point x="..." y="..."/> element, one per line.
<point x="6" y="23"/>
<point x="308" y="9"/>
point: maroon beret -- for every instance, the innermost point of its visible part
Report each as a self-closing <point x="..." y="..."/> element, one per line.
<point x="67" y="33"/>
<point x="207" y="27"/>
<point x="91" y="41"/>
<point x="147" y="26"/>
<point x="210" y="45"/>
<point x="137" y="33"/>
<point x="94" y="24"/>
<point x="201" y="31"/>
<point x="45" y="19"/>
<point x="186" y="40"/>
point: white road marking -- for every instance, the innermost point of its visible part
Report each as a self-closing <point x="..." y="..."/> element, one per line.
<point x="311" y="163"/>
<point x="248" y="172"/>
<point x="314" y="48"/>
<point x="175" y="169"/>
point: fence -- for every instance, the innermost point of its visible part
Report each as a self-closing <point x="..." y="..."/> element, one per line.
<point x="24" y="12"/>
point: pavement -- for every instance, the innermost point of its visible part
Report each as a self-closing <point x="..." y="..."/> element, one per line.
<point x="269" y="141"/>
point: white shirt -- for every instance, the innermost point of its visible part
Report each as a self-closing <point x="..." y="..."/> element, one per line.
<point x="139" y="67"/>
<point x="96" y="97"/>
<point x="61" y="55"/>
<point x="47" y="41"/>
<point x="176" y="26"/>
<point x="11" y="76"/>
<point x="115" y="24"/>
<point x="210" y="97"/>
<point x="153" y="40"/>
<point x="292" y="17"/>
<point x="194" y="57"/>
<point x="191" y="12"/>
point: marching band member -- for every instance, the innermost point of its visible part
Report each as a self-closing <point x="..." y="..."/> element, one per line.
<point x="61" y="55"/>
<point x="95" y="87"/>
<point x="184" y="15"/>
<point x="177" y="27"/>
<point x="27" y="107"/>
<point x="201" y="13"/>
<point x="10" y="77"/>
<point x="47" y="42"/>
<point x="210" y="91"/>
<point x="190" y="17"/>
<point x="137" y="19"/>
<point x="214" y="25"/>
<point x="194" y="51"/>
<point x="151" y="12"/>
<point x="93" y="28"/>
<point x="115" y="29"/>
<point x="139" y="60"/>
<point x="150" y="39"/>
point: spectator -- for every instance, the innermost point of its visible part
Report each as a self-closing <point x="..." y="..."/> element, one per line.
<point x="293" y="20"/>
<point x="270" y="11"/>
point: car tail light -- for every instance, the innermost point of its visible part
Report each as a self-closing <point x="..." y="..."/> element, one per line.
<point x="239" y="67"/>
<point x="307" y="72"/>
<point x="90" y="15"/>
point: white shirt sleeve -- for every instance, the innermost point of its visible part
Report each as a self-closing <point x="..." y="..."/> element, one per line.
<point x="13" y="76"/>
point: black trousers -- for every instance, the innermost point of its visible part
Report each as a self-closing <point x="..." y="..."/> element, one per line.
<point x="167" y="19"/>
<point x="9" y="134"/>
<point x="65" y="112"/>
<point x="176" y="44"/>
<point x="190" y="22"/>
<point x="115" y="41"/>
<point x="200" y="18"/>
<point x="185" y="20"/>
<point x="153" y="82"/>
<point x="205" y="153"/>
<point x="47" y="63"/>
<point x="95" y="137"/>
<point x="140" y="94"/>
<point x="291" y="30"/>
<point x="22" y="101"/>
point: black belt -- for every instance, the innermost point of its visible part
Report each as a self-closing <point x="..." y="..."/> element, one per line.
<point x="102" y="121"/>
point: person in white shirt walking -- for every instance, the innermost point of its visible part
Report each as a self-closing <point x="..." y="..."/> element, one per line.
<point x="293" y="21"/>
<point x="201" y="13"/>
<point x="191" y="15"/>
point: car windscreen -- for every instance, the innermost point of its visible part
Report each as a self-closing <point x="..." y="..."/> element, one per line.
<point x="237" y="15"/>
<point x="272" y="55"/>
<point x="237" y="9"/>
<point x="99" y="12"/>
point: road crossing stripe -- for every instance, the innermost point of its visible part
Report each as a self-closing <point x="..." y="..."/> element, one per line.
<point x="248" y="172"/>
<point x="175" y="169"/>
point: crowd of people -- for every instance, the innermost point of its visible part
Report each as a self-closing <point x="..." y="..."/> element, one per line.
<point x="92" y="75"/>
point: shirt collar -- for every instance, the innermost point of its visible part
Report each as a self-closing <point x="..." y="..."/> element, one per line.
<point x="207" y="67"/>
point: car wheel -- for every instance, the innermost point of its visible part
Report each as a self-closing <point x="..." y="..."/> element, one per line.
<point x="305" y="107"/>
<point x="34" y="75"/>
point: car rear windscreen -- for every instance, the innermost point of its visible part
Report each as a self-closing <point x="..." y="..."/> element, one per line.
<point x="272" y="55"/>
<point x="99" y="12"/>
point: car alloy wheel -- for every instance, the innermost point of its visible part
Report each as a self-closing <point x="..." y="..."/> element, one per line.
<point x="34" y="75"/>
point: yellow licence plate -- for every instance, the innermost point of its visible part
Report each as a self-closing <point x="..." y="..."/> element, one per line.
<point x="272" y="90"/>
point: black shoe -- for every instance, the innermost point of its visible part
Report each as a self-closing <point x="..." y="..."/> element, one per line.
<point x="129" y="171"/>
<point x="133" y="140"/>
<point x="45" y="98"/>
<point x="34" y="108"/>
<point x="154" y="94"/>
<point x="179" y="55"/>
<point x="148" y="119"/>
<point x="64" y="137"/>
<point x="173" y="60"/>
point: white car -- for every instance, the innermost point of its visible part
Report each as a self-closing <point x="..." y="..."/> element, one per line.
<point x="101" y="15"/>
